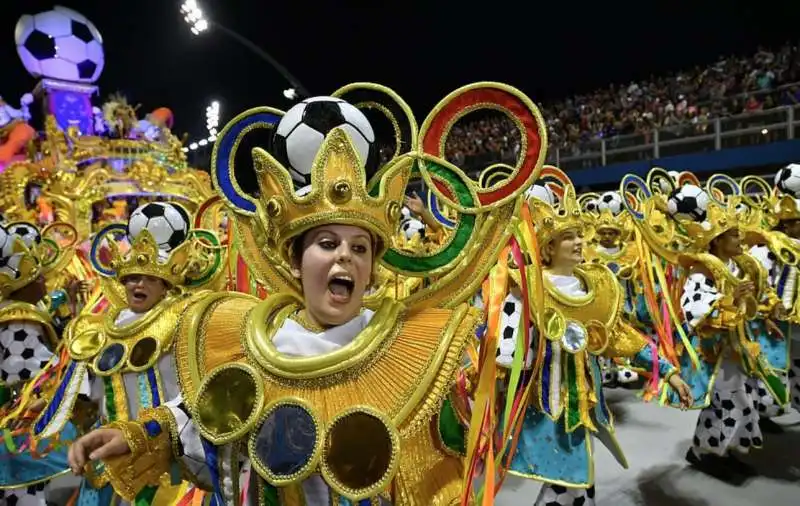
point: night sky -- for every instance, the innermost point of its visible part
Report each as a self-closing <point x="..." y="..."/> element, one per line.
<point x="421" y="50"/>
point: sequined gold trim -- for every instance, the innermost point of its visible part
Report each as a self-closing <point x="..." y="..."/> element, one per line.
<point x="267" y="317"/>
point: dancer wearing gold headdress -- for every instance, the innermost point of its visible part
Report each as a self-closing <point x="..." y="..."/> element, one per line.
<point x="777" y="247"/>
<point x="319" y="395"/>
<point x="120" y="363"/>
<point x="612" y="246"/>
<point x="28" y="340"/>
<point x="576" y="316"/>
<point x="722" y="290"/>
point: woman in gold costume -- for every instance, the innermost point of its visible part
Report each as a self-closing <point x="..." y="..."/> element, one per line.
<point x="574" y="315"/>
<point x="120" y="362"/>
<point x="319" y="395"/>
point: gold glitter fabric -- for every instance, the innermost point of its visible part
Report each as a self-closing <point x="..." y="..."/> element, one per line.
<point x="401" y="366"/>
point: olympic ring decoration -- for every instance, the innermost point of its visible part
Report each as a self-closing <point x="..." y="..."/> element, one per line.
<point x="224" y="153"/>
<point x="639" y="186"/>
<point x="94" y="251"/>
<point x="492" y="96"/>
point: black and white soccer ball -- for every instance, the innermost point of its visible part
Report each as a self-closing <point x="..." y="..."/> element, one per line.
<point x="411" y="227"/>
<point x="540" y="191"/>
<point x="168" y="224"/>
<point x="591" y="206"/>
<point x="9" y="262"/>
<point x="61" y="44"/>
<point x="25" y="231"/>
<point x="689" y="202"/>
<point x="611" y="201"/>
<point x="302" y="129"/>
<point x="788" y="180"/>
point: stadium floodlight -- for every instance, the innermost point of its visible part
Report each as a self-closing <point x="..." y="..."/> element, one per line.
<point x="199" y="23"/>
<point x="194" y="17"/>
<point x="212" y="117"/>
<point x="290" y="93"/>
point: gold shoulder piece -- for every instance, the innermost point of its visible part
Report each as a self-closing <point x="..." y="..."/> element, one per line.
<point x="209" y="333"/>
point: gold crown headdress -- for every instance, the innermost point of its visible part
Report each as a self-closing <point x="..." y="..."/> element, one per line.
<point x="27" y="253"/>
<point x="191" y="263"/>
<point x="551" y="220"/>
<point x="343" y="191"/>
<point x="774" y="206"/>
<point x="339" y="195"/>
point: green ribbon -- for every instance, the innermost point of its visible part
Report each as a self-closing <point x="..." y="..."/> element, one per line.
<point x="270" y="496"/>
<point x="111" y="408"/>
<point x="145" y="496"/>
<point x="573" y="407"/>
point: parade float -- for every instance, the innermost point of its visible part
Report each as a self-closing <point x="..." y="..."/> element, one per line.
<point x="67" y="156"/>
<point x="64" y="155"/>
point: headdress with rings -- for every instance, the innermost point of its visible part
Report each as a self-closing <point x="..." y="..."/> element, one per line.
<point x="342" y="191"/>
<point x="189" y="260"/>
<point x="27" y="253"/>
<point x="566" y="214"/>
<point x="666" y="227"/>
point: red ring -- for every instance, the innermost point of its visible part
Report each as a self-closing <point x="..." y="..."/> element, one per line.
<point x="469" y="98"/>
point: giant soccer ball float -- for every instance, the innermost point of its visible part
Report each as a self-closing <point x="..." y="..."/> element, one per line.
<point x="60" y="44"/>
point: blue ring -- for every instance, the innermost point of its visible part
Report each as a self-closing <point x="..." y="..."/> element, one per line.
<point x="636" y="181"/>
<point x="96" y="265"/>
<point x="225" y="149"/>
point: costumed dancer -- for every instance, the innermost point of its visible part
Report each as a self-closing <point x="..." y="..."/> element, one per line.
<point x="777" y="247"/>
<point x="613" y="247"/>
<point x="575" y="311"/>
<point x="28" y="341"/>
<point x="120" y="363"/>
<point x="311" y="396"/>
<point x="721" y="290"/>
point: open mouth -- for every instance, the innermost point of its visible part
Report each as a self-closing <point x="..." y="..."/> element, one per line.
<point x="139" y="296"/>
<point x="340" y="287"/>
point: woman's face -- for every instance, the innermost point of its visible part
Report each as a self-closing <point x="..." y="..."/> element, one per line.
<point x="143" y="292"/>
<point x="335" y="270"/>
<point x="566" y="249"/>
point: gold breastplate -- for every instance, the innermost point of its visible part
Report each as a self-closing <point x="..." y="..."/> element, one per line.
<point x="109" y="349"/>
<point x="583" y="322"/>
<point x="622" y="263"/>
<point x="348" y="409"/>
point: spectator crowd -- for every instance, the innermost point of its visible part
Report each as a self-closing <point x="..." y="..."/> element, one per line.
<point x="680" y="104"/>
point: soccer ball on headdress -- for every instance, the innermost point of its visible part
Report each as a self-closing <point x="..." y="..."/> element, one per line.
<point x="411" y="227"/>
<point x="25" y="231"/>
<point x="302" y="129"/>
<point x="788" y="180"/>
<point x="60" y="44"/>
<point x="9" y="261"/>
<point x="611" y="201"/>
<point x="689" y="202"/>
<point x="591" y="206"/>
<point x="167" y="223"/>
<point x="541" y="192"/>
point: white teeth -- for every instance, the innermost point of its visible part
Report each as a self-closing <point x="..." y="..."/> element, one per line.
<point x="343" y="277"/>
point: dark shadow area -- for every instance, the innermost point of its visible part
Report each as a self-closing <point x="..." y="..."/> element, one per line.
<point x="657" y="488"/>
<point x="779" y="458"/>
